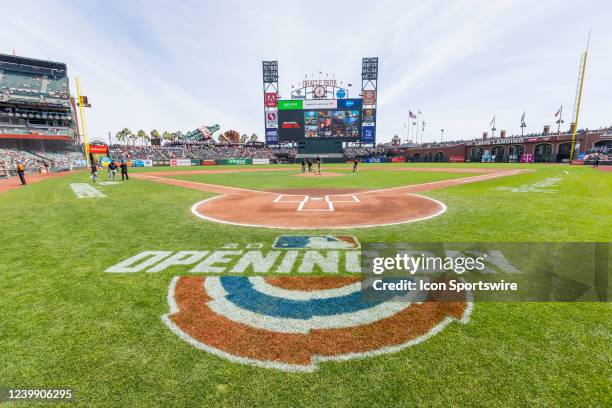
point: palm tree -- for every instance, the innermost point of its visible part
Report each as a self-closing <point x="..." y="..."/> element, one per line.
<point x="133" y="136"/>
<point x="142" y="135"/>
<point x="243" y="139"/>
<point x="254" y="137"/>
<point x="167" y="135"/>
<point x="123" y="135"/>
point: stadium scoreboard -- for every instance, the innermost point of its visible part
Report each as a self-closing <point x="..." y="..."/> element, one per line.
<point x="313" y="119"/>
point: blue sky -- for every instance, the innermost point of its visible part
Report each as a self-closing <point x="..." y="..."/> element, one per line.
<point x="176" y="65"/>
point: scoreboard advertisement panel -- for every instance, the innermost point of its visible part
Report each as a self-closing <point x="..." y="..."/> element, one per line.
<point x="319" y="119"/>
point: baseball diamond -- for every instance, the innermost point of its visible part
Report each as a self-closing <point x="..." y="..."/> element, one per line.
<point x="325" y="204"/>
<point x="316" y="209"/>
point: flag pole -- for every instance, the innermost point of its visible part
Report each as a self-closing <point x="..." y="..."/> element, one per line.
<point x="407" y="131"/>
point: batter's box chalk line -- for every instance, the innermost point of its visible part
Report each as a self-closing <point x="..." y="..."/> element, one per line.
<point x="302" y="200"/>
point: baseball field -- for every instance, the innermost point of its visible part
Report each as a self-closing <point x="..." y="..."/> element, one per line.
<point x="211" y="286"/>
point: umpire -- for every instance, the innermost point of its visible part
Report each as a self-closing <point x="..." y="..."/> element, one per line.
<point x="124" y="170"/>
<point x="21" y="172"/>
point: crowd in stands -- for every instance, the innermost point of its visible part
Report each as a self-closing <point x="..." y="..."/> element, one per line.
<point x="604" y="153"/>
<point x="232" y="151"/>
<point x="191" y="150"/>
<point x="361" y="152"/>
<point x="39" y="131"/>
<point x="601" y="149"/>
<point x="119" y="152"/>
<point x="9" y="158"/>
<point x="62" y="159"/>
<point x="602" y="156"/>
<point x="285" y="152"/>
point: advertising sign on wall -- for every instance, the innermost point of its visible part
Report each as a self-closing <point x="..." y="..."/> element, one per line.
<point x="456" y="159"/>
<point x="374" y="160"/>
<point x="98" y="149"/>
<point x="527" y="158"/>
<point x="369" y="97"/>
<point x="295" y="104"/>
<point x="180" y="162"/>
<point x="261" y="161"/>
<point x="349" y="104"/>
<point x="142" y="163"/>
<point x="320" y="104"/>
<point x="208" y="163"/>
<point x="368" y="133"/>
<point x="270" y="99"/>
<point x="271" y="119"/>
<point x="272" y="135"/>
<point x="234" y="161"/>
<point x="400" y="159"/>
<point x="368" y="116"/>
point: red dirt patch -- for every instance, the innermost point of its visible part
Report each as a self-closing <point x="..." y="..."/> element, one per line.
<point x="312" y="211"/>
<point x="13" y="182"/>
<point x="311" y="283"/>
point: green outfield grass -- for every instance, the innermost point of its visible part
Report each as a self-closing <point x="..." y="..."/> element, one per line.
<point x="366" y="179"/>
<point x="67" y="323"/>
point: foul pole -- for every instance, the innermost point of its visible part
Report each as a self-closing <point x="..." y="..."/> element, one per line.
<point x="80" y="103"/>
<point x="583" y="59"/>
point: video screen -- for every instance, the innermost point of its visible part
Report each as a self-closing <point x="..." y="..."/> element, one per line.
<point x="310" y="124"/>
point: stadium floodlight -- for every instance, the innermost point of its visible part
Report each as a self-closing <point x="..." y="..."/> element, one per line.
<point x="270" y="71"/>
<point x="369" y="68"/>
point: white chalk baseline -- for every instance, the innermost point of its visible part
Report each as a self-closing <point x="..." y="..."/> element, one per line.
<point x="302" y="200"/>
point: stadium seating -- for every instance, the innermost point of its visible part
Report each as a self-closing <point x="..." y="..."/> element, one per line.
<point x="63" y="159"/>
<point x="11" y="157"/>
<point x="40" y="131"/>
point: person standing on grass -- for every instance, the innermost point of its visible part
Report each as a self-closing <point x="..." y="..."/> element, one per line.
<point x="355" y="163"/>
<point x="124" y="171"/>
<point x="318" y="160"/>
<point x="21" y="173"/>
<point x="46" y="164"/>
<point x="596" y="162"/>
<point x="303" y="166"/>
<point x="112" y="170"/>
<point x="309" y="166"/>
<point x="94" y="171"/>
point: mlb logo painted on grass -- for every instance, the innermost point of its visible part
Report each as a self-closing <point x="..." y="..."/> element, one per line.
<point x="295" y="323"/>
<point x="316" y="242"/>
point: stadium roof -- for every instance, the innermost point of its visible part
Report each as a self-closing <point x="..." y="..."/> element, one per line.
<point x="23" y="62"/>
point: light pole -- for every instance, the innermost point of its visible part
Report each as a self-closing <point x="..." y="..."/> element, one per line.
<point x="441" y="135"/>
<point x="523" y="126"/>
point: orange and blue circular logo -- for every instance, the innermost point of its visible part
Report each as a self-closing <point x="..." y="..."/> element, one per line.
<point x="295" y="323"/>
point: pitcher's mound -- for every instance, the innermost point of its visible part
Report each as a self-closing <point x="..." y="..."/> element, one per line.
<point x="323" y="174"/>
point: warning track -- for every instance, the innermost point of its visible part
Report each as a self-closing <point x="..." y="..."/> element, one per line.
<point x="320" y="208"/>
